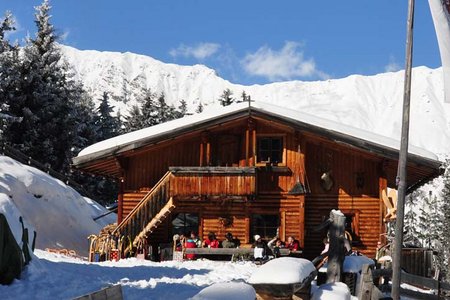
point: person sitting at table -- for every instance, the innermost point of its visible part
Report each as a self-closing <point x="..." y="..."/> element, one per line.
<point x="190" y="243"/>
<point x="196" y="239"/>
<point x="261" y="249"/>
<point x="292" y="244"/>
<point x="211" y="241"/>
<point x="276" y="244"/>
<point x="230" y="241"/>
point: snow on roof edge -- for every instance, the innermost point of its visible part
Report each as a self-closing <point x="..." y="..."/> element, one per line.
<point x="115" y="144"/>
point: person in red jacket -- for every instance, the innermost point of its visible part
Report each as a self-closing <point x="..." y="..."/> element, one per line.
<point x="190" y="243"/>
<point x="211" y="241"/>
<point x="292" y="244"/>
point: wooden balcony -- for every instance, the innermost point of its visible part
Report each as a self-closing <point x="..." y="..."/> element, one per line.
<point x="213" y="181"/>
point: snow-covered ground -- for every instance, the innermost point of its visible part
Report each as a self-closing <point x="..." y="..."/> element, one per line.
<point x="53" y="276"/>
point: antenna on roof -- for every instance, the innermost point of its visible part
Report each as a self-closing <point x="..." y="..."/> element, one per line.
<point x="249" y="100"/>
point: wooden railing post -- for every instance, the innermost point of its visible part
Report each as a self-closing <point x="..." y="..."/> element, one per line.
<point x="336" y="252"/>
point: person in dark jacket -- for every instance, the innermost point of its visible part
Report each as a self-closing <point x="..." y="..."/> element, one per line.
<point x="230" y="241"/>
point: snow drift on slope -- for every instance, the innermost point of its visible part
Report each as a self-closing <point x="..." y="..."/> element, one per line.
<point x="61" y="217"/>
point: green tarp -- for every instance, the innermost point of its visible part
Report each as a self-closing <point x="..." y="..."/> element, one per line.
<point x="11" y="257"/>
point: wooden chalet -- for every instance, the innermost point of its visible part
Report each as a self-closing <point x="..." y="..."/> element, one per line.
<point x="258" y="169"/>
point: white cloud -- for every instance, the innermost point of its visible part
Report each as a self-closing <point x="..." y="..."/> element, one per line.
<point x="392" y="66"/>
<point x="199" y="51"/>
<point x="287" y="63"/>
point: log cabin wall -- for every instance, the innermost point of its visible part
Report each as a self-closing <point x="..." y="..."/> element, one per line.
<point x="355" y="192"/>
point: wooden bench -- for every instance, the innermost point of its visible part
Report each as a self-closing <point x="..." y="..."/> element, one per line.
<point x="233" y="251"/>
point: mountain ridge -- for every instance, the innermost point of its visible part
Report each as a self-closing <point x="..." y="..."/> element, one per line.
<point x="372" y="103"/>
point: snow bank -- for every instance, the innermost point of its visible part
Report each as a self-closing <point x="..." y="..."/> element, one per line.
<point x="229" y="291"/>
<point x="283" y="270"/>
<point x="61" y="217"/>
<point x="332" y="291"/>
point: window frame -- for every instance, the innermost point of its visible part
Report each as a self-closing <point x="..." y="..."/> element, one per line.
<point x="281" y="136"/>
<point x="258" y="230"/>
<point x="184" y="213"/>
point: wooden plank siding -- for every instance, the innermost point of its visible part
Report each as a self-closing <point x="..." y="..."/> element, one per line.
<point x="355" y="192"/>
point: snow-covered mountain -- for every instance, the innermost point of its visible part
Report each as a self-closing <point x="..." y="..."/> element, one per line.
<point x="373" y="103"/>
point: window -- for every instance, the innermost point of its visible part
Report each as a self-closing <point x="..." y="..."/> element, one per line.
<point x="264" y="225"/>
<point x="184" y="223"/>
<point x="270" y="149"/>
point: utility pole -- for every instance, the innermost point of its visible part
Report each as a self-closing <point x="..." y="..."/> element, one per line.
<point x="401" y="175"/>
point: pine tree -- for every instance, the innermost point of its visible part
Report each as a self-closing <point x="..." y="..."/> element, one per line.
<point x="445" y="232"/>
<point x="9" y="71"/>
<point x="44" y="99"/>
<point x="165" y="112"/>
<point x="226" y="98"/>
<point x="182" y="109"/>
<point x="133" y="120"/>
<point x="199" y="108"/>
<point x="6" y="25"/>
<point x="107" y="125"/>
<point x="412" y="232"/>
<point x="149" y="110"/>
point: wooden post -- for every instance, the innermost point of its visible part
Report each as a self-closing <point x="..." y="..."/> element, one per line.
<point x="201" y="153"/>
<point x="402" y="174"/>
<point x="247" y="147"/>
<point x="208" y="153"/>
<point x="254" y="146"/>
<point x="382" y="183"/>
<point x="336" y="252"/>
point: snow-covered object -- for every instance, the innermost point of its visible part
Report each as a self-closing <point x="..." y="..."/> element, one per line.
<point x="131" y="140"/>
<point x="372" y="103"/>
<point x="352" y="263"/>
<point x="228" y="290"/>
<point x="283" y="270"/>
<point x="61" y="217"/>
<point x="332" y="291"/>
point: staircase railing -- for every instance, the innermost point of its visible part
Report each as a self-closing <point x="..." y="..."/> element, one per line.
<point x="146" y="209"/>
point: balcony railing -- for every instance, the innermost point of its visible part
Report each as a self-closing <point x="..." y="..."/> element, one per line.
<point x="213" y="181"/>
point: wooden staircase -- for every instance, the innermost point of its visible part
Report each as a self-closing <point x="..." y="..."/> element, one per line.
<point x="149" y="213"/>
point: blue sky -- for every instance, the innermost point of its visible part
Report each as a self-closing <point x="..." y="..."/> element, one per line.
<point x="249" y="41"/>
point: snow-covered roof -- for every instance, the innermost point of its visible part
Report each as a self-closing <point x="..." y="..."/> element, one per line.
<point x="339" y="132"/>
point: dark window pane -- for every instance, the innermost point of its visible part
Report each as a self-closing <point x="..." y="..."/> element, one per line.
<point x="183" y="223"/>
<point x="264" y="225"/>
<point x="270" y="149"/>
